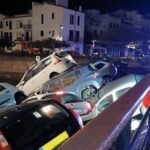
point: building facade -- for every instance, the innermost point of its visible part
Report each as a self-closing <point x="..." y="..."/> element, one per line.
<point x="46" y="20"/>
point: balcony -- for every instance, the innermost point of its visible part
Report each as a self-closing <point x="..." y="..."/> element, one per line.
<point x="27" y="26"/>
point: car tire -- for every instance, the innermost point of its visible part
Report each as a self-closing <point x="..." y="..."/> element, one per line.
<point x="52" y="75"/>
<point x="88" y="92"/>
<point x="20" y="97"/>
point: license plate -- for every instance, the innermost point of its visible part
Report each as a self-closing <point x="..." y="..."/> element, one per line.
<point x="55" y="142"/>
<point x="77" y="110"/>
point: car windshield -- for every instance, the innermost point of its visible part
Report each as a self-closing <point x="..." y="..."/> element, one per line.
<point x="65" y="98"/>
<point x="36" y="126"/>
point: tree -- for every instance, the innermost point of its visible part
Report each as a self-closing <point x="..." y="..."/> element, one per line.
<point x="49" y="43"/>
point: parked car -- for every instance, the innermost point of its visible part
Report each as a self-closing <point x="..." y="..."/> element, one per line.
<point x="113" y="90"/>
<point x="106" y="69"/>
<point x="86" y="109"/>
<point x="10" y="95"/>
<point x="83" y="81"/>
<point x="37" y="125"/>
<point x="44" y="70"/>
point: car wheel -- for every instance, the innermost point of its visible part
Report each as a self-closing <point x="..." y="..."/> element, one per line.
<point x="20" y="97"/>
<point x="52" y="75"/>
<point x="88" y="93"/>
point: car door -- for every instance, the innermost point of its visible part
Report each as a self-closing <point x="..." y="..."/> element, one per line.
<point x="5" y="95"/>
<point x="104" y="103"/>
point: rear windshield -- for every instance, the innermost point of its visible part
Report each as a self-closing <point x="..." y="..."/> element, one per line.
<point x="64" y="98"/>
<point x="36" y="127"/>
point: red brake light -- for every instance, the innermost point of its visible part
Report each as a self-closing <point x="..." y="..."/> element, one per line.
<point x="3" y="143"/>
<point x="57" y="61"/>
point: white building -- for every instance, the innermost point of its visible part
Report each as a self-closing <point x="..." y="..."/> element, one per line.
<point x="47" y="20"/>
<point x="16" y="27"/>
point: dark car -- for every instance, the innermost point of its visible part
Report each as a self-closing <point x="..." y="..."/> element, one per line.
<point x="38" y="125"/>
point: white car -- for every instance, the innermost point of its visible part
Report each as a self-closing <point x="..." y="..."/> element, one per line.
<point x="113" y="90"/>
<point x="10" y="95"/>
<point x="86" y="109"/>
<point x="44" y="70"/>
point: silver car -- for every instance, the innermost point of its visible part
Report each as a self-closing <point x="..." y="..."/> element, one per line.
<point x="86" y="109"/>
<point x="10" y="95"/>
<point x="107" y="70"/>
<point x="83" y="81"/>
<point x="115" y="89"/>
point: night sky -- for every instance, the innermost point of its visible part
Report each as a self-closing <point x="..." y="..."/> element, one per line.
<point x="11" y="7"/>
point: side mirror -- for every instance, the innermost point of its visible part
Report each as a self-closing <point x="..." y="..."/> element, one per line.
<point x="37" y="58"/>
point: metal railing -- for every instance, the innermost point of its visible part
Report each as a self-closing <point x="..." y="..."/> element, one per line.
<point x="103" y="131"/>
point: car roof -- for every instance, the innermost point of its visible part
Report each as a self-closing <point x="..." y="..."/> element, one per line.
<point x="8" y="113"/>
<point x="128" y="80"/>
<point x="6" y="85"/>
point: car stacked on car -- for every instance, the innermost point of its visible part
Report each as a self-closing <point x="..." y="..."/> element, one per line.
<point x="61" y="96"/>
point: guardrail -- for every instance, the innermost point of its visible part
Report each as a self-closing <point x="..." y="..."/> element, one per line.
<point x="104" y="130"/>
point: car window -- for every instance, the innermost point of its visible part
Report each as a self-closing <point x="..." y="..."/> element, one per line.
<point x="64" y="98"/>
<point x="70" y="78"/>
<point x="2" y="88"/>
<point x="99" y="66"/>
<point x="61" y="54"/>
<point x="36" y="127"/>
<point x="106" y="102"/>
<point x="121" y="92"/>
<point x="51" y="86"/>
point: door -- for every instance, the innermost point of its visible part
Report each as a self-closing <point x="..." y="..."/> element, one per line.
<point x="5" y="95"/>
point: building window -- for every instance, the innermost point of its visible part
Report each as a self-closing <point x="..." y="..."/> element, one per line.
<point x="42" y="19"/>
<point x="77" y="37"/>
<point x="71" y="19"/>
<point x="1" y="24"/>
<point x="53" y="15"/>
<point x="6" y="23"/>
<point x="78" y="20"/>
<point x="10" y="36"/>
<point x="19" y="24"/>
<point x="2" y="35"/>
<point x="42" y="33"/>
<point x="53" y="33"/>
<point x="70" y="35"/>
<point x="10" y="25"/>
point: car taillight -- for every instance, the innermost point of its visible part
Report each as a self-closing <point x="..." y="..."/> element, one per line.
<point x="3" y="143"/>
<point x="57" y="61"/>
